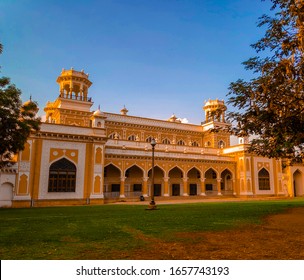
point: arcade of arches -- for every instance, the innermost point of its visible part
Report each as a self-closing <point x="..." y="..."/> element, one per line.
<point x="176" y="181"/>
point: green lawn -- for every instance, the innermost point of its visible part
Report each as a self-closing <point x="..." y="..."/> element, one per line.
<point x="79" y="232"/>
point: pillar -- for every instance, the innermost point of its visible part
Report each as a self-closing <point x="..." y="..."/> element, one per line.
<point x="61" y="90"/>
<point x="219" y="192"/>
<point x="145" y="186"/>
<point x="233" y="187"/>
<point x="166" y="186"/>
<point x="81" y="92"/>
<point x="102" y="186"/>
<point x="122" y="187"/>
<point x="185" y="190"/>
<point x="71" y="89"/>
<point x="203" y="187"/>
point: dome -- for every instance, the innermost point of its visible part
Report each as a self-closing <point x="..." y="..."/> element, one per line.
<point x="30" y="103"/>
<point x="27" y="102"/>
<point x="173" y="118"/>
<point x="124" y="111"/>
<point x="98" y="113"/>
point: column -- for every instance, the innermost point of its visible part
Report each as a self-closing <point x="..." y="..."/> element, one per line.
<point x="61" y="90"/>
<point x="185" y="190"/>
<point x="85" y="94"/>
<point x="233" y="187"/>
<point x="88" y="172"/>
<point x="71" y="89"/>
<point x="81" y="92"/>
<point x="122" y="187"/>
<point x="166" y="186"/>
<point x="203" y="187"/>
<point x="219" y="192"/>
<point x="102" y="183"/>
<point x="145" y="186"/>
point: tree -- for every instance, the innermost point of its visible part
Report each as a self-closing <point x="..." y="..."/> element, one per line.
<point x="17" y="120"/>
<point x="271" y="105"/>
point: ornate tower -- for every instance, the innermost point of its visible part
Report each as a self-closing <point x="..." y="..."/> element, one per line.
<point x="215" y="119"/>
<point x="72" y="107"/>
<point x="215" y="111"/>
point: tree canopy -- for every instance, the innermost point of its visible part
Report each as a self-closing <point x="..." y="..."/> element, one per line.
<point x="17" y="120"/>
<point x="271" y="105"/>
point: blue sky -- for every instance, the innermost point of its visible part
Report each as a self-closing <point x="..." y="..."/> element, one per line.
<point x="155" y="57"/>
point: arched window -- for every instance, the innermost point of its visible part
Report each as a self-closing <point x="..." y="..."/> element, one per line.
<point x="166" y="141"/>
<point x="114" y="135"/>
<point x="132" y="138"/>
<point x="221" y="144"/>
<point x="208" y="144"/>
<point x="264" y="181"/>
<point x="62" y="176"/>
<point x="195" y="144"/>
<point x="149" y="139"/>
<point x="181" y="142"/>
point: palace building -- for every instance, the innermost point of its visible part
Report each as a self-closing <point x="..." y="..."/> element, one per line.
<point x="82" y="157"/>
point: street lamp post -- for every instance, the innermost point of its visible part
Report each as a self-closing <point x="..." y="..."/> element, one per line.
<point x="152" y="204"/>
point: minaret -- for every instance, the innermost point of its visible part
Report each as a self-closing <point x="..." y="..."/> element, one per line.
<point x="215" y="120"/>
<point x="215" y="111"/>
<point x="73" y="105"/>
<point x="74" y="85"/>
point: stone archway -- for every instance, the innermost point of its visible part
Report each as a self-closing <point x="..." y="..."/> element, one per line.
<point x="176" y="181"/>
<point x="158" y="181"/>
<point x="211" y="182"/>
<point x="194" y="181"/>
<point x="112" y="181"/>
<point x="134" y="181"/>
<point x="6" y="195"/>
<point x="226" y="182"/>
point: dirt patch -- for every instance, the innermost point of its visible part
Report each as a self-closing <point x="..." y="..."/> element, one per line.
<point x="280" y="237"/>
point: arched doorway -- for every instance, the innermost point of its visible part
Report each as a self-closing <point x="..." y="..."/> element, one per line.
<point x="210" y="182"/>
<point x="112" y="178"/>
<point x="194" y="176"/>
<point x="158" y="181"/>
<point x="297" y="184"/>
<point x="176" y="184"/>
<point x="134" y="181"/>
<point x="6" y="195"/>
<point x="226" y="182"/>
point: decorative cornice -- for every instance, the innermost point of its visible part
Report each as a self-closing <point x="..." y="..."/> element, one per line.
<point x="71" y="137"/>
<point x="148" y="158"/>
<point x="153" y="128"/>
<point x="159" y="124"/>
<point x="170" y="155"/>
<point x="71" y="133"/>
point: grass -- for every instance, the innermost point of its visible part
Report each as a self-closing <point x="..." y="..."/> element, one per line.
<point x="108" y="230"/>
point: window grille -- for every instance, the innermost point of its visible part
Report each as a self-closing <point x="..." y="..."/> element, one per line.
<point x="62" y="176"/>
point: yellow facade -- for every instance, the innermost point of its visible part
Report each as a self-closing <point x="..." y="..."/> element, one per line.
<point x="92" y="157"/>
